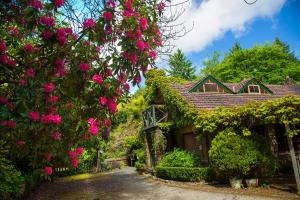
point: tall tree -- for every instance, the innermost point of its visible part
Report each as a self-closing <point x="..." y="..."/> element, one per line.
<point x="180" y="66"/>
<point x="209" y="65"/>
<point x="270" y="63"/>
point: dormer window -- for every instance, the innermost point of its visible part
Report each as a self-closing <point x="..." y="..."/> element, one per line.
<point x="253" y="89"/>
<point x="209" y="88"/>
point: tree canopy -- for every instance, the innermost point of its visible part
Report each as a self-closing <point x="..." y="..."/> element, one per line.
<point x="270" y="63"/>
<point x="180" y="66"/>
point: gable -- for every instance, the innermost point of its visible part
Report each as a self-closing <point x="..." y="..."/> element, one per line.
<point x="210" y="84"/>
<point x="254" y="86"/>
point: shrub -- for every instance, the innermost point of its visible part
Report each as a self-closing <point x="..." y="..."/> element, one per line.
<point x="183" y="173"/>
<point x="180" y="158"/>
<point x="10" y="178"/>
<point x="233" y="155"/>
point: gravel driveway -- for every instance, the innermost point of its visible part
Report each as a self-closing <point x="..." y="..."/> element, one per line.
<point x="125" y="184"/>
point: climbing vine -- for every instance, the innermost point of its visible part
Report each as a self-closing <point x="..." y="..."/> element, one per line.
<point x="285" y="110"/>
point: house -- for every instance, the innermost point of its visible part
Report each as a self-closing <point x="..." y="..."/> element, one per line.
<point x="168" y="99"/>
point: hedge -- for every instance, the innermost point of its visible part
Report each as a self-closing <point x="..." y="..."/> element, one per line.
<point x="184" y="173"/>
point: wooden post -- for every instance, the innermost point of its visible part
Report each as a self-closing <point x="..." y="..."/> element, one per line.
<point x="293" y="157"/>
<point x="148" y="150"/>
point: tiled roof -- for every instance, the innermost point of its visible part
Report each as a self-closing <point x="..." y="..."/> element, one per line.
<point x="213" y="100"/>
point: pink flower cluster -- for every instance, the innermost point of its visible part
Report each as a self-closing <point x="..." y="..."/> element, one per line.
<point x="61" y="35"/>
<point x="47" y="34"/>
<point x="29" y="48"/>
<point x="34" y="116"/>
<point x="9" y="124"/>
<point x="84" y="67"/>
<point x="56" y="135"/>
<point x="51" y="118"/>
<point x="88" y="23"/>
<point x="3" y="47"/>
<point x="143" y="23"/>
<point x="74" y="156"/>
<point x="110" y="4"/>
<point x="59" y="67"/>
<point x="36" y="4"/>
<point x="47" y="21"/>
<point x="58" y="3"/>
<point x="52" y="99"/>
<point x="30" y="73"/>
<point x="93" y="129"/>
<point x="97" y="79"/>
<point x="107" y="16"/>
<point x="161" y="6"/>
<point x="48" y="170"/>
<point x="112" y="105"/>
<point x="48" y="87"/>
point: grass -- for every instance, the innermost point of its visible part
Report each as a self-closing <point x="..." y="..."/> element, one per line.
<point x="78" y="177"/>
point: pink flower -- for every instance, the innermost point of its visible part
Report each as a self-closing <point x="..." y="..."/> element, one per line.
<point x="61" y="36"/>
<point x="107" y="122"/>
<point x="11" y="106"/>
<point x="97" y="79"/>
<point x="48" y="170"/>
<point x="153" y="54"/>
<point x="84" y="67"/>
<point x="128" y="5"/>
<point x="58" y="3"/>
<point x="36" y="4"/>
<point x="45" y="119"/>
<point x="11" y="63"/>
<point x="72" y="154"/>
<point x="112" y="106"/>
<point x="47" y="21"/>
<point x="34" y="115"/>
<point x="48" y="87"/>
<point x="3" y="47"/>
<point x="30" y="73"/>
<point x="126" y="14"/>
<point x="121" y="78"/>
<point x="161" y="6"/>
<point x="98" y="49"/>
<point x="79" y="151"/>
<point x="138" y="34"/>
<point x="126" y="86"/>
<point x="9" y="124"/>
<point x="29" y="48"/>
<point x="140" y="45"/>
<point x="108" y="29"/>
<point x="75" y="163"/>
<point x="56" y="119"/>
<point x="20" y="142"/>
<point x="88" y="23"/>
<point x="103" y="101"/>
<point x="4" y="59"/>
<point x="107" y="16"/>
<point x="69" y="30"/>
<point x="3" y="100"/>
<point x="47" y="35"/>
<point x="22" y="82"/>
<point x="108" y="72"/>
<point x="143" y="23"/>
<point x="93" y="129"/>
<point x="91" y="121"/>
<point x="133" y="58"/>
<point x="48" y="156"/>
<point x="52" y="99"/>
<point x="56" y="135"/>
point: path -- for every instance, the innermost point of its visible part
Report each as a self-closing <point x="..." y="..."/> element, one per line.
<point x="125" y="184"/>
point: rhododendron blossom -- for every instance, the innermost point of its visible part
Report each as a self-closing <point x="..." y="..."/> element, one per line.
<point x="4" y="59"/>
<point x="72" y="154"/>
<point x="56" y="135"/>
<point x="9" y="124"/>
<point x="48" y="156"/>
<point x="34" y="116"/>
<point x="84" y="67"/>
<point x="103" y="101"/>
<point x="97" y="79"/>
<point x="88" y="23"/>
<point x="79" y="151"/>
<point x="48" y="87"/>
<point x="140" y="45"/>
<point x="107" y="16"/>
<point x="58" y="3"/>
<point x="36" y="4"/>
<point x="3" y="47"/>
<point x="29" y="48"/>
<point x="30" y="73"/>
<point x="3" y="100"/>
<point x="75" y="163"/>
<point x="143" y="23"/>
<point x="48" y="170"/>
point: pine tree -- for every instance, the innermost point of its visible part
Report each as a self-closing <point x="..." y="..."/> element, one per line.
<point x="180" y="66"/>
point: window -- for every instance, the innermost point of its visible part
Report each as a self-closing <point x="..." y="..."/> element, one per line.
<point x="211" y="87"/>
<point x="254" y="89"/>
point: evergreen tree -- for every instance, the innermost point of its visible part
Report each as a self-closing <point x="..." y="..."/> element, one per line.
<point x="180" y="66"/>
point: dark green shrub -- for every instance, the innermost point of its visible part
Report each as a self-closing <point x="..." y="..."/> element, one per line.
<point x="10" y="178"/>
<point x="180" y="158"/>
<point x="183" y="173"/>
<point x="234" y="155"/>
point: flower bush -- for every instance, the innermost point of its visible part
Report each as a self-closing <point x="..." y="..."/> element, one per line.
<point x="60" y="88"/>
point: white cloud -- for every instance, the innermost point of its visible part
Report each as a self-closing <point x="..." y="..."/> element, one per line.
<point x="213" y="18"/>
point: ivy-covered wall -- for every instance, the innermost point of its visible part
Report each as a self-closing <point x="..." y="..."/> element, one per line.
<point x="285" y="110"/>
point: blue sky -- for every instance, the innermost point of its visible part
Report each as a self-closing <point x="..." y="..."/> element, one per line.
<point x="285" y="24"/>
<point x="218" y="24"/>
